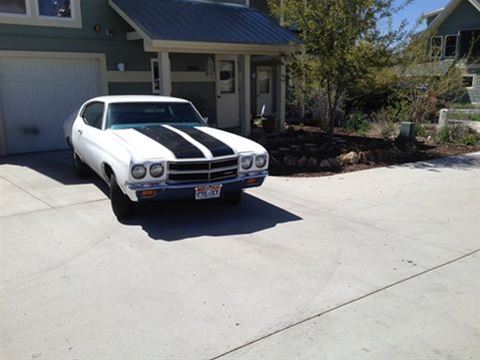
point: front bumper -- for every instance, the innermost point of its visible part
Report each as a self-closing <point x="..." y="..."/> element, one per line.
<point x="136" y="191"/>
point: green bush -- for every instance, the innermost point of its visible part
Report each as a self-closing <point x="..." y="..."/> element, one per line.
<point x="420" y="130"/>
<point x="444" y="135"/>
<point x="462" y="106"/>
<point x="387" y="130"/>
<point x="458" y="115"/>
<point x="397" y="112"/>
<point x="357" y="122"/>
<point x="457" y="134"/>
<point x="470" y="140"/>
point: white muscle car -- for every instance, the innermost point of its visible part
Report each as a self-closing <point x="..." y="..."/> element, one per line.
<point x="156" y="147"/>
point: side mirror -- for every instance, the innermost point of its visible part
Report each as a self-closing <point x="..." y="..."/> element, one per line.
<point x="205" y="118"/>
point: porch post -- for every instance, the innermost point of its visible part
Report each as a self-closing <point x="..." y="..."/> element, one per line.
<point x="164" y="74"/>
<point x="282" y="96"/>
<point x="245" y="103"/>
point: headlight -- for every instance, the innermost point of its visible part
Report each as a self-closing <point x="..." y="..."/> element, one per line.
<point x="156" y="170"/>
<point x="139" y="171"/>
<point x="260" y="161"/>
<point x="246" y="162"/>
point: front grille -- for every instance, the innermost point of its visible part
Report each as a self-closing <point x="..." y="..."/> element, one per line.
<point x="202" y="171"/>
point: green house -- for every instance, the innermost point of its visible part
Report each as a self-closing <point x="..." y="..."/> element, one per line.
<point x="224" y="56"/>
<point x="455" y="38"/>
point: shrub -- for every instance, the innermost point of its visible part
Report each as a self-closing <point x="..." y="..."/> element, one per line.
<point x="457" y="134"/>
<point x="398" y="112"/>
<point x="420" y="130"/>
<point x="357" y="122"/>
<point x="470" y="140"/>
<point x="388" y="130"/>
<point x="462" y="106"/>
<point x="464" y="115"/>
<point x="444" y="135"/>
<point x="385" y="129"/>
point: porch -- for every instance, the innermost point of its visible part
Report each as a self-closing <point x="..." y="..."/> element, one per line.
<point x="226" y="59"/>
<point x="228" y="89"/>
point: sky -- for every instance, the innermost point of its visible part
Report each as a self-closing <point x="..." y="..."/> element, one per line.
<point x="413" y="12"/>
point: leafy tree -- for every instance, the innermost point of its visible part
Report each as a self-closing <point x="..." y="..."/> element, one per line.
<point x="344" y="43"/>
<point x="426" y="82"/>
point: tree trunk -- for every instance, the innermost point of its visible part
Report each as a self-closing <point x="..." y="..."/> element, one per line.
<point x="331" y="115"/>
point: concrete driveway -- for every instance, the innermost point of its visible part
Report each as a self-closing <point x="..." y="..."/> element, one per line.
<point x="378" y="264"/>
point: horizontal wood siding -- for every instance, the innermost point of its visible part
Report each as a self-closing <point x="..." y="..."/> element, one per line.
<point x="130" y="88"/>
<point x="115" y="46"/>
<point x="464" y="17"/>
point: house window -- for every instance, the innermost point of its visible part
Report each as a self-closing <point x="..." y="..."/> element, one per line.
<point x="155" y="76"/>
<point x="264" y="81"/>
<point x="468" y="81"/>
<point x="451" y="46"/>
<point x="470" y="45"/>
<point x="60" y="13"/>
<point x="56" y="8"/>
<point x="227" y="77"/>
<point x="436" y="43"/>
<point x="13" y="7"/>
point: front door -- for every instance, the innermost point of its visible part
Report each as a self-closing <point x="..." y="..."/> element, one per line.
<point x="264" y="90"/>
<point x="227" y="91"/>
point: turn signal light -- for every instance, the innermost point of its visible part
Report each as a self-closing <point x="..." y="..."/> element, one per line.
<point x="146" y="194"/>
<point x="252" y="181"/>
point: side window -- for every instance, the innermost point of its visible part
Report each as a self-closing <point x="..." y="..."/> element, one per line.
<point x="436" y="44"/>
<point x="93" y="114"/>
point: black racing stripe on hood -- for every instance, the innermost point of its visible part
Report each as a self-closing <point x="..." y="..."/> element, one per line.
<point x="174" y="142"/>
<point x="216" y="147"/>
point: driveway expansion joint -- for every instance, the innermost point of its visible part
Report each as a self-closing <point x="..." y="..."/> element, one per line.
<point x="471" y="253"/>
<point x="28" y="192"/>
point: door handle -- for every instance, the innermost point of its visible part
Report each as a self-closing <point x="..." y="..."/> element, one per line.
<point x="79" y="132"/>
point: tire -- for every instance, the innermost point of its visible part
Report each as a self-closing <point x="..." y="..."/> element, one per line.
<point x="122" y="206"/>
<point x="79" y="167"/>
<point x="233" y="198"/>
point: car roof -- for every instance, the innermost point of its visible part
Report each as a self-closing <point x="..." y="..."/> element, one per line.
<point x="137" y="98"/>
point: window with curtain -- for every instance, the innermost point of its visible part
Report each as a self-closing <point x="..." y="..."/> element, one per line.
<point x="56" y="8"/>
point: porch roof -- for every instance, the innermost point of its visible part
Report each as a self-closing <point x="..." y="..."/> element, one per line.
<point x="189" y="21"/>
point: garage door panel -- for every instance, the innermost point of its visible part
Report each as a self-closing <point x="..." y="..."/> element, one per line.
<point x="37" y="96"/>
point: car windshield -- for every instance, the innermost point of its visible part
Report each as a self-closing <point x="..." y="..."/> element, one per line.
<point x="128" y="115"/>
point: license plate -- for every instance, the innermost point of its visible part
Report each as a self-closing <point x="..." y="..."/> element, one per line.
<point x="207" y="192"/>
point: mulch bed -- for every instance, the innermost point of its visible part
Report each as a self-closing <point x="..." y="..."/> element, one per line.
<point x="308" y="151"/>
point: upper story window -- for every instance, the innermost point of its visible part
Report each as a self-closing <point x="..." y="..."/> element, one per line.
<point x="450" y="46"/>
<point x="57" y="8"/>
<point x="436" y="43"/>
<point x="60" y="13"/>
<point x="14" y="7"/>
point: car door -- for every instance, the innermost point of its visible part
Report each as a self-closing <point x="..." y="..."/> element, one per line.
<point x="87" y="135"/>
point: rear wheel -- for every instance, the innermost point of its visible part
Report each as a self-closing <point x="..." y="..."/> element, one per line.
<point x="122" y="206"/>
<point x="79" y="167"/>
<point x="233" y="198"/>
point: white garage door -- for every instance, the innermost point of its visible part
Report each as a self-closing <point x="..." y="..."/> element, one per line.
<point x="38" y="94"/>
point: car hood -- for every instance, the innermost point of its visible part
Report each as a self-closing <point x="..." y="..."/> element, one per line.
<point x="172" y="143"/>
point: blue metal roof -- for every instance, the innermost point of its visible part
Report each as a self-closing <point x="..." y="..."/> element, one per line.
<point x="208" y="22"/>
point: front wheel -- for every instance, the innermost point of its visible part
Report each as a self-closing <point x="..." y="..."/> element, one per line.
<point x="233" y="198"/>
<point x="122" y="206"/>
<point x="79" y="167"/>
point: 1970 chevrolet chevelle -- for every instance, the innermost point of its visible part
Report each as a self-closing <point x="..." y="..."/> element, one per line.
<point x="155" y="147"/>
